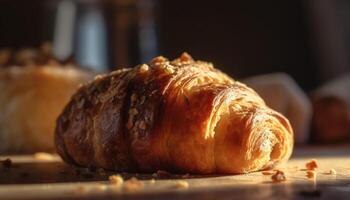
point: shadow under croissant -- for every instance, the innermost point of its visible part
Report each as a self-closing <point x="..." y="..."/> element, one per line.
<point x="31" y="171"/>
<point x="59" y="172"/>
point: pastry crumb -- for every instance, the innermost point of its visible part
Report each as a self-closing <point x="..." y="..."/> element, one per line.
<point x="181" y="184"/>
<point x="278" y="176"/>
<point x="7" y="163"/>
<point x="132" y="184"/>
<point x="332" y="172"/>
<point x="116" y="180"/>
<point x="311" y="174"/>
<point x="43" y="156"/>
<point x="311" y="165"/>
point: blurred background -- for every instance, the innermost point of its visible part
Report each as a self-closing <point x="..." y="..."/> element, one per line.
<point x="308" y="39"/>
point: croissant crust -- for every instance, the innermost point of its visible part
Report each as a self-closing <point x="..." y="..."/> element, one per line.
<point x="181" y="116"/>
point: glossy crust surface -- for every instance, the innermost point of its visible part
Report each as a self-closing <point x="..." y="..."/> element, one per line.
<point x="31" y="99"/>
<point x="180" y="116"/>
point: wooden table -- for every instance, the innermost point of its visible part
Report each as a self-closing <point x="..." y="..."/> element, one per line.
<point x="30" y="178"/>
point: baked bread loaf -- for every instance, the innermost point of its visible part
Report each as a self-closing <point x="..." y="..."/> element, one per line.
<point x="34" y="88"/>
<point x="31" y="99"/>
<point x="180" y="116"/>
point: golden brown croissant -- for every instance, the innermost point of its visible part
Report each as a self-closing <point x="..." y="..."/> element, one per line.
<point x="181" y="116"/>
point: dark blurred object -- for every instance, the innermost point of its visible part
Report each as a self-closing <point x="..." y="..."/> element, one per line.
<point x="22" y="23"/>
<point x="328" y="22"/>
<point x="303" y="38"/>
<point x="98" y="33"/>
<point x="283" y="94"/>
<point x="132" y="31"/>
<point x="31" y="56"/>
<point x="331" y="119"/>
<point x="242" y="38"/>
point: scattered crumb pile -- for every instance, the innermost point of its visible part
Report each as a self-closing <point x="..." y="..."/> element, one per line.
<point x="132" y="184"/>
<point x="311" y="166"/>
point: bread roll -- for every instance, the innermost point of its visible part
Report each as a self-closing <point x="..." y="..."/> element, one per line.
<point x="180" y="116"/>
<point x="331" y="117"/>
<point x="31" y="98"/>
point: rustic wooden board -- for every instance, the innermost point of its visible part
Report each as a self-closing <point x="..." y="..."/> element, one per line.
<point x="30" y="178"/>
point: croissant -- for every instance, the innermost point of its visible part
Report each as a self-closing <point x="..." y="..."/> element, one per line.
<point x="31" y="98"/>
<point x="180" y="116"/>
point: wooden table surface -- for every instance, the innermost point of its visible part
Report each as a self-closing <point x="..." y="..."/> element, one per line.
<point x="31" y="178"/>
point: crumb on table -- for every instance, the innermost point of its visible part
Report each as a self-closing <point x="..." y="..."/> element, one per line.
<point x="116" y="180"/>
<point x="332" y="172"/>
<point x="152" y="181"/>
<point x="132" y="184"/>
<point x="311" y="174"/>
<point x="181" y="184"/>
<point x="279" y="176"/>
<point x="311" y="165"/>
